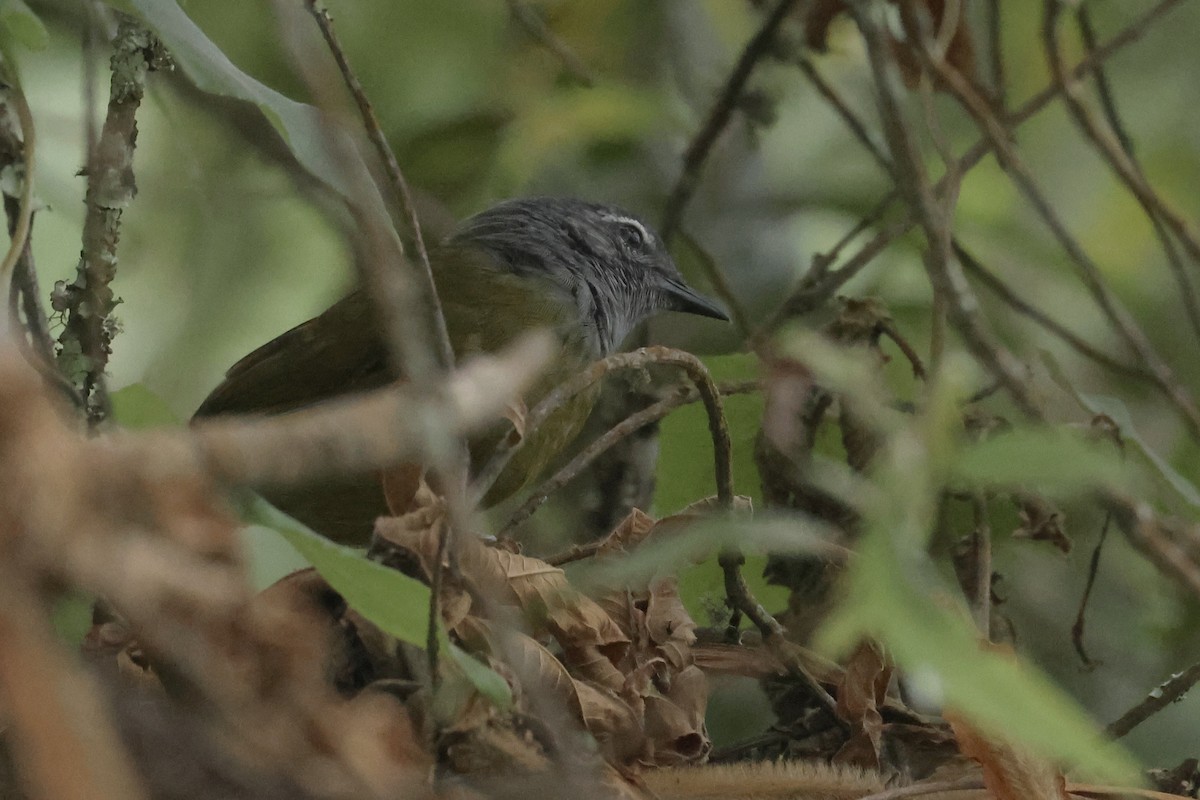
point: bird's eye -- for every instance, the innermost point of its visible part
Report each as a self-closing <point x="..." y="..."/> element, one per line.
<point x="632" y="233"/>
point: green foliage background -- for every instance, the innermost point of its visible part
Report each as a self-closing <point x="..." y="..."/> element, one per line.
<point x="223" y="248"/>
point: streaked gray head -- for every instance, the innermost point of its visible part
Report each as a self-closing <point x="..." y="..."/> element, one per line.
<point x="606" y="261"/>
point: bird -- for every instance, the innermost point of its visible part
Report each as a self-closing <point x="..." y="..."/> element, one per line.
<point x="587" y="271"/>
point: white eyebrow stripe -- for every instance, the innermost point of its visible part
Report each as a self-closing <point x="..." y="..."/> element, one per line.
<point x="646" y="237"/>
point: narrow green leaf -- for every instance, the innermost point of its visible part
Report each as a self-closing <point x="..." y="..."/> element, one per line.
<point x="938" y="648"/>
<point x="897" y="595"/>
<point x="1050" y="459"/>
<point x="1118" y="412"/>
<point x="396" y="603"/>
<point x="485" y="679"/>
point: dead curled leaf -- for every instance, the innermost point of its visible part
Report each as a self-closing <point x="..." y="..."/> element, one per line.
<point x="619" y="664"/>
<point x="860" y="695"/>
<point x="1041" y="521"/>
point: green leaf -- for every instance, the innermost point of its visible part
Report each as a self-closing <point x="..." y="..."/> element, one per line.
<point x="136" y="407"/>
<point x="310" y="137"/>
<point x="396" y="603"/>
<point x="486" y="680"/>
<point x="1048" y="459"/>
<point x="22" y="25"/>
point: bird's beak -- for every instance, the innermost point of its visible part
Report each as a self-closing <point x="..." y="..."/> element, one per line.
<point x="681" y="297"/>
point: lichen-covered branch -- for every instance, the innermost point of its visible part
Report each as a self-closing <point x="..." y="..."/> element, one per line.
<point x="86" y="341"/>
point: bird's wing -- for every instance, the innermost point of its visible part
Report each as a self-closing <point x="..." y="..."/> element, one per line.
<point x="335" y="353"/>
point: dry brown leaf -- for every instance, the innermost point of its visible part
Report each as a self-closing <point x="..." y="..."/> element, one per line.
<point x="668" y="623"/>
<point x="548" y="602"/>
<point x="675" y="724"/>
<point x="617" y="726"/>
<point x="861" y="692"/>
<point x="1041" y="521"/>
<point x="629" y="533"/>
<point x="536" y="669"/>
<point x="400" y="486"/>
<point x="1009" y="772"/>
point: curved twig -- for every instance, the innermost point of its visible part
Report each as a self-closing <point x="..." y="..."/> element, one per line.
<point x="682" y="396"/>
<point x="561" y="394"/>
<point x="1117" y="151"/>
<point x="20" y="234"/>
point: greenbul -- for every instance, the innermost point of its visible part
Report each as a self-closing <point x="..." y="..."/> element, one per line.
<point x="588" y="272"/>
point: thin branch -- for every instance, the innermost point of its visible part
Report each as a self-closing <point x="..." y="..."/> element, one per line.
<point x="815" y="290"/>
<point x="16" y="149"/>
<point x="995" y="28"/>
<point x="682" y="396"/>
<point x="981" y="552"/>
<point x="742" y="602"/>
<point x="969" y="262"/>
<point x="400" y="191"/>
<point x="533" y="24"/>
<point x="1117" y="151"/>
<point x="1087" y="269"/>
<point x="719" y="116"/>
<point x="1076" y="342"/>
<point x="852" y="120"/>
<point x="91" y="44"/>
<point x="1155" y="538"/>
<point x="945" y="275"/>
<point x="1081" y="616"/>
<point x="638" y="359"/>
<point x="86" y="341"/>
<point x="1159" y="698"/>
